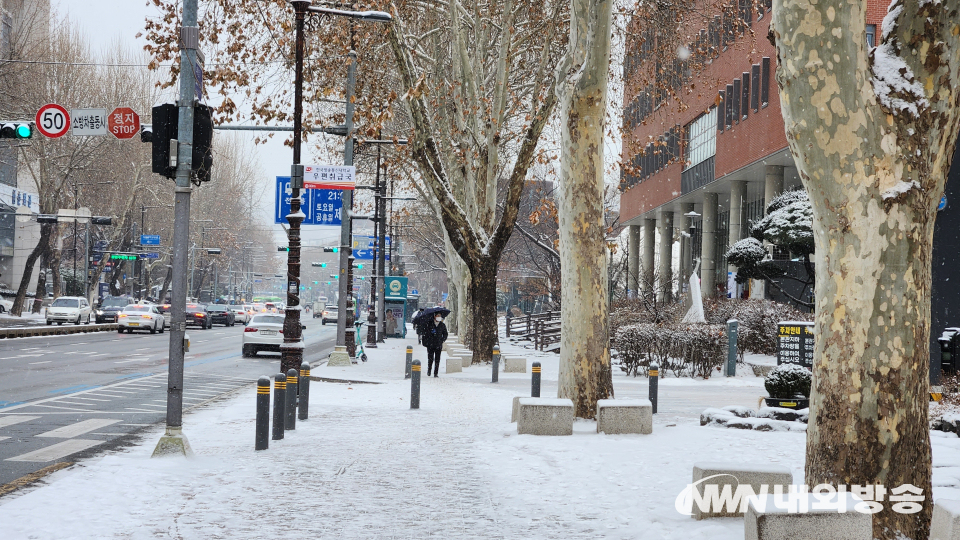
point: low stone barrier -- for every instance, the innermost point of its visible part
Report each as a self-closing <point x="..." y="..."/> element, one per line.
<point x="9" y="333"/>
<point x="617" y="416"/>
<point x="722" y="474"/>
<point x="545" y="416"/>
<point x="822" y="518"/>
<point x="946" y="520"/>
<point x="514" y="364"/>
<point x="454" y="365"/>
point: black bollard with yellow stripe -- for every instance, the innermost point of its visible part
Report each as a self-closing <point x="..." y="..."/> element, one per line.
<point x="279" y="404"/>
<point x="654" y="373"/>
<point x="304" y="405"/>
<point x="409" y="362"/>
<point x="263" y="413"/>
<point x="415" y="385"/>
<point x="496" y="364"/>
<point x="535" y="380"/>
<point x="290" y="418"/>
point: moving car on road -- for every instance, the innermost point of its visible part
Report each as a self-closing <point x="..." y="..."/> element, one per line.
<point x="164" y="310"/>
<point x="264" y="332"/>
<point x="140" y="317"/>
<point x="220" y="314"/>
<point x="330" y="314"/>
<point x="240" y="315"/>
<point x="72" y="309"/>
<point x="197" y="316"/>
<point x="112" y="305"/>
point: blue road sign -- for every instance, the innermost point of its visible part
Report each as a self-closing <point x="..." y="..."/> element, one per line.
<point x="367" y="254"/>
<point x="414" y="291"/>
<point x="152" y="255"/>
<point x="320" y="206"/>
<point x="149" y="239"/>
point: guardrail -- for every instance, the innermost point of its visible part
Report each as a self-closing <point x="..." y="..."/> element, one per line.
<point x="31" y="331"/>
<point x="525" y="325"/>
<point x="547" y="333"/>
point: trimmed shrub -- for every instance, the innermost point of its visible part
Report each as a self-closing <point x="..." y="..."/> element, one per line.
<point x="787" y="381"/>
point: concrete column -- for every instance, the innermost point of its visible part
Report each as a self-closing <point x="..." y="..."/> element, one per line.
<point x="683" y="224"/>
<point x="649" y="226"/>
<point x="665" y="269"/>
<point x="738" y="192"/>
<point x="633" y="261"/>
<point x="772" y="186"/>
<point x="708" y="246"/>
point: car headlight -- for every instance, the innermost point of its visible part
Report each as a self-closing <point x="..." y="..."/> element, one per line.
<point x="98" y="312"/>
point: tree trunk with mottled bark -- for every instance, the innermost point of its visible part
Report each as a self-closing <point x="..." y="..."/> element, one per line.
<point x="483" y="293"/>
<point x="585" y="375"/>
<point x="872" y="133"/>
<point x="38" y="251"/>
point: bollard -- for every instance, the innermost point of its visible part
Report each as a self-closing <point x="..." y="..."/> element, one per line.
<point x="279" y="404"/>
<point x="535" y="381"/>
<point x="496" y="363"/>
<point x="290" y="418"/>
<point x="732" y="326"/>
<point x="415" y="385"/>
<point x="409" y="362"/>
<point x="304" y="385"/>
<point x="263" y="413"/>
<point x="654" y="373"/>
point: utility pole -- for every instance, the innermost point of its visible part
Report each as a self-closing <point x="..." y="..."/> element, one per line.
<point x="174" y="442"/>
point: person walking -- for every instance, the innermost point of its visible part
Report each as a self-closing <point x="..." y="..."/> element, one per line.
<point x="434" y="334"/>
<point x="418" y="325"/>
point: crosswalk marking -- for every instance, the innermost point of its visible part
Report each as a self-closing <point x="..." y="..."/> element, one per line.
<point x="65" y="402"/>
<point x="75" y="430"/>
<point x="56" y="451"/>
<point x="15" y="419"/>
<point x="2" y="438"/>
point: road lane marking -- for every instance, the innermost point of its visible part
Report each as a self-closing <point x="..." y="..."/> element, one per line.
<point x="56" y="451"/>
<point x="122" y="391"/>
<point x="62" y="402"/>
<point x="30" y="355"/>
<point x="2" y="438"/>
<point x="64" y="408"/>
<point x="143" y="410"/>
<point x="36" y="363"/>
<point x="75" y="430"/>
<point x="15" y="419"/>
<point x="128" y="361"/>
<point x="88" y="398"/>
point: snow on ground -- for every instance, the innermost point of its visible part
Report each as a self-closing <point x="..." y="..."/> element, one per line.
<point x="366" y="466"/>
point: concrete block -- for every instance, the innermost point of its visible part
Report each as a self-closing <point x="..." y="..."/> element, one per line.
<point x="516" y="408"/>
<point x="339" y="357"/>
<point x="946" y="520"/>
<point x="766" y="521"/>
<point x="734" y="474"/>
<point x="624" y="416"/>
<point x="514" y="364"/>
<point x="454" y="365"/>
<point x="466" y="360"/>
<point x="545" y="416"/>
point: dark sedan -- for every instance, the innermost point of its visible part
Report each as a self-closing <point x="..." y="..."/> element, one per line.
<point x="221" y="314"/>
<point x="197" y="316"/>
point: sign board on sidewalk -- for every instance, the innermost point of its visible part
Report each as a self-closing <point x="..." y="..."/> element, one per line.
<point x="149" y="239"/>
<point x="329" y="177"/>
<point x="321" y="207"/>
<point x="795" y="343"/>
<point x="88" y="122"/>
<point x="124" y="123"/>
<point x="53" y="121"/>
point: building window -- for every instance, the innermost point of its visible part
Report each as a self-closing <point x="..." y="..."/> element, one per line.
<point x="871" y="35"/>
<point x="701" y="139"/>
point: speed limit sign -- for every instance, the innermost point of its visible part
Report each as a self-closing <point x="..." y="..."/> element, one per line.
<point x="53" y="120"/>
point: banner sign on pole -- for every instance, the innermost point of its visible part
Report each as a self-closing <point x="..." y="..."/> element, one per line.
<point x="88" y="122"/>
<point x="321" y="207"/>
<point x="329" y="177"/>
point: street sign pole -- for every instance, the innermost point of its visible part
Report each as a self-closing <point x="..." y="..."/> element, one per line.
<point x="173" y="441"/>
<point x="346" y="248"/>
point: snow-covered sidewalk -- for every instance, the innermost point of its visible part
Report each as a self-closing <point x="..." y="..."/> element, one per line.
<point x="366" y="466"/>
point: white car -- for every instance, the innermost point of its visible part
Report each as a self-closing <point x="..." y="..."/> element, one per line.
<point x="69" y="309"/>
<point x="5" y="305"/>
<point x="264" y="332"/>
<point x="240" y="315"/>
<point x="140" y="317"/>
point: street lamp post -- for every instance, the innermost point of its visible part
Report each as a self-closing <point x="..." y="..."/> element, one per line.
<point x="292" y="348"/>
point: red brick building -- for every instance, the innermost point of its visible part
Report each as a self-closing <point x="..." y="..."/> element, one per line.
<point x="703" y="154"/>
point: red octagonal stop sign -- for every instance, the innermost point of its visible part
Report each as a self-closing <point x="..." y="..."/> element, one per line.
<point x="123" y="123"/>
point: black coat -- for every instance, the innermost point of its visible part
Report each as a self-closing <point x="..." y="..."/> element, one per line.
<point x="434" y="334"/>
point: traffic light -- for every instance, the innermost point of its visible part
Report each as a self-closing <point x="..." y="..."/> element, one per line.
<point x="360" y="266"/>
<point x="101" y="220"/>
<point x="16" y="130"/>
<point x="283" y="248"/>
<point x="213" y="251"/>
<point x="165" y="128"/>
<point x="319" y="265"/>
<point x="331" y="250"/>
<point x="315" y="283"/>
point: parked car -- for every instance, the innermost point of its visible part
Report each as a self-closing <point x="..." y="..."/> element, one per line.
<point x="5" y="305"/>
<point x="140" y="317"/>
<point x="330" y="314"/>
<point x="73" y="309"/>
<point x="108" y="309"/>
<point x="264" y="332"/>
<point x="197" y="316"/>
<point x="240" y="314"/>
<point x="220" y="314"/>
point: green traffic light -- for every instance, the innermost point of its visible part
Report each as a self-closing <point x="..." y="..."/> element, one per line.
<point x="360" y="266"/>
<point x="323" y="265"/>
<point x="336" y="250"/>
<point x="24" y="131"/>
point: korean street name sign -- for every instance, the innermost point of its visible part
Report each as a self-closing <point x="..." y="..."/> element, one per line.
<point x="88" y="122"/>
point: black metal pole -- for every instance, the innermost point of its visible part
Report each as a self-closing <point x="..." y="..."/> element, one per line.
<point x="279" y="404"/>
<point x="290" y="418"/>
<point x="304" y="405"/>
<point x="654" y="374"/>
<point x="415" y="385"/>
<point x="535" y="380"/>
<point x="263" y="413"/>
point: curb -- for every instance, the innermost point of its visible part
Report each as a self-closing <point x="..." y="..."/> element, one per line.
<point x="9" y="333"/>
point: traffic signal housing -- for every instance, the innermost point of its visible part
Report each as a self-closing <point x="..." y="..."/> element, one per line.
<point x="165" y="127"/>
<point x="331" y="250"/>
<point x="16" y="130"/>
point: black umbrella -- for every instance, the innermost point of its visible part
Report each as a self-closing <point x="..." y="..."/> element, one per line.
<point x="429" y="312"/>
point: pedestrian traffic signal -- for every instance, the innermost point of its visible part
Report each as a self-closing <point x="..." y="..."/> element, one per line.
<point x="16" y="130"/>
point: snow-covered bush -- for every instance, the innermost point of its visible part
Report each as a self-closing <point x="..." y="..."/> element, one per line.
<point x="758" y="321"/>
<point x="695" y="349"/>
<point x="787" y="381"/>
<point x="703" y="348"/>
